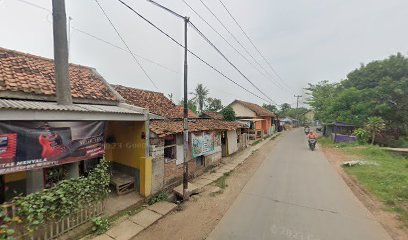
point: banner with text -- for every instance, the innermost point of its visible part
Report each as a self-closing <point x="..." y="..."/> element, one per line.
<point x="205" y="143"/>
<point x="31" y="145"/>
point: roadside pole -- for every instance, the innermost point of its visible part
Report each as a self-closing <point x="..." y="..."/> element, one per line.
<point x="59" y="23"/>
<point x="297" y="108"/>
<point x="185" y="160"/>
<point x="185" y="110"/>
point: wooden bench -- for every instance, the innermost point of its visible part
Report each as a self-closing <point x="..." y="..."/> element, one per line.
<point x="122" y="182"/>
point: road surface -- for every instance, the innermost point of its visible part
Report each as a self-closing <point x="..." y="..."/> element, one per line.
<point x="297" y="195"/>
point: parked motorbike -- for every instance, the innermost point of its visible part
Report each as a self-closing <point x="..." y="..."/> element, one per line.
<point x="312" y="143"/>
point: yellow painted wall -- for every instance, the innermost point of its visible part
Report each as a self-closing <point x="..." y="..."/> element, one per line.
<point x="146" y="176"/>
<point x="129" y="147"/>
<point x="14" y="177"/>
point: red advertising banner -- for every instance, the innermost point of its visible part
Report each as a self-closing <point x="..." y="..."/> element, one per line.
<point x="30" y="145"/>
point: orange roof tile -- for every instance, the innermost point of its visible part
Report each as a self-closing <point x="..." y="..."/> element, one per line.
<point x="34" y="75"/>
<point x="214" y="115"/>
<point x="164" y="128"/>
<point x="155" y="102"/>
<point x="260" y="111"/>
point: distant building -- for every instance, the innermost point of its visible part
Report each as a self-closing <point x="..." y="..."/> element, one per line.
<point x="262" y="121"/>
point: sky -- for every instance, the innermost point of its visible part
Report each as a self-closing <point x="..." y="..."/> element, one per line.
<point x="303" y="41"/>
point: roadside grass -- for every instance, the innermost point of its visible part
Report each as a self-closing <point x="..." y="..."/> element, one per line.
<point x="221" y="183"/>
<point x="387" y="179"/>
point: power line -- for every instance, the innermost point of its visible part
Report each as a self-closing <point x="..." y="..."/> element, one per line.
<point x="236" y="50"/>
<point x="35" y="5"/>
<point x="124" y="42"/>
<point x="240" y="72"/>
<point x="236" y="39"/>
<point x="101" y="39"/>
<point x="252" y="43"/>
<point x="120" y="48"/>
<point x="192" y="53"/>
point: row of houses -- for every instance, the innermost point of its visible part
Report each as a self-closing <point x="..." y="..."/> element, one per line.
<point x="140" y="132"/>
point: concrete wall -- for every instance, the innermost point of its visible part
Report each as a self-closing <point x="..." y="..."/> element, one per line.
<point x="232" y="141"/>
<point x="242" y="111"/>
<point x="157" y="153"/>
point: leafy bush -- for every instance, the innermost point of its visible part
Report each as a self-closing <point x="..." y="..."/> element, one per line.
<point x="158" y="198"/>
<point x="100" y="225"/>
<point x="362" y="135"/>
<point x="67" y="197"/>
<point x="6" y="232"/>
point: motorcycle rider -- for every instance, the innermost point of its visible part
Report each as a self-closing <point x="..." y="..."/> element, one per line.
<point x="311" y="135"/>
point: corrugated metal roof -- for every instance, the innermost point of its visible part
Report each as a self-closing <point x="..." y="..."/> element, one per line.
<point x="7" y="104"/>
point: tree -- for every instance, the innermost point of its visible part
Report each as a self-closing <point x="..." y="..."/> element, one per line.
<point x="200" y="95"/>
<point x="375" y="125"/>
<point x="270" y="107"/>
<point x="191" y="105"/>
<point x="214" y="104"/>
<point x="228" y="114"/>
<point x="285" y="107"/>
<point x="377" y="89"/>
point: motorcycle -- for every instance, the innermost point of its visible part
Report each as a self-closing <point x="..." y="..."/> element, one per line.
<point x="307" y="130"/>
<point x="312" y="143"/>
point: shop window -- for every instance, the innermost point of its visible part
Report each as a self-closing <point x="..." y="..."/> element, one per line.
<point x="53" y="175"/>
<point x="170" y="148"/>
<point x="200" y="161"/>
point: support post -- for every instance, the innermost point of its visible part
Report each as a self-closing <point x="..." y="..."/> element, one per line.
<point x="62" y="84"/>
<point x="185" y="160"/>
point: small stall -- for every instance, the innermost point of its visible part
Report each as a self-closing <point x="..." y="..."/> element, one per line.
<point x="340" y="132"/>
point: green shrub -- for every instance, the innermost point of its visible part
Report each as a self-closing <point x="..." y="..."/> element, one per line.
<point x="362" y="135"/>
<point x="100" y="225"/>
<point x="67" y="197"/>
<point x="158" y="198"/>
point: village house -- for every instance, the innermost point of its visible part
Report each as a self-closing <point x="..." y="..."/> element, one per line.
<point x="260" y="120"/>
<point x="209" y="139"/>
<point x="42" y="142"/>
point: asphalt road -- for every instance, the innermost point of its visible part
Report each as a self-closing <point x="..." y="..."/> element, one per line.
<point x="296" y="194"/>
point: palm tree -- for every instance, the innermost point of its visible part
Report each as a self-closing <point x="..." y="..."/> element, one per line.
<point x="375" y="125"/>
<point x="200" y="96"/>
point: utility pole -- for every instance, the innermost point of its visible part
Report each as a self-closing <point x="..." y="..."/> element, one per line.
<point x="297" y="107"/>
<point x="59" y="22"/>
<point x="186" y="194"/>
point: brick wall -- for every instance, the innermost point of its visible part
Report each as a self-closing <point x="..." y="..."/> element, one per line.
<point x="167" y="174"/>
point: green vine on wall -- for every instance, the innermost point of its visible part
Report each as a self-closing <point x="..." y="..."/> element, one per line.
<point x="67" y="197"/>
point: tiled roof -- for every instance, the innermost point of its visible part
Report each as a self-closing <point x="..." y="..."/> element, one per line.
<point x="155" y="102"/>
<point x="214" y="115"/>
<point x="163" y="128"/>
<point x="260" y="111"/>
<point x="34" y="76"/>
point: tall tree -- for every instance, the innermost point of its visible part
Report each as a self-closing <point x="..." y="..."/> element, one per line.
<point x="200" y="95"/>
<point x="228" y="114"/>
<point x="285" y="107"/>
<point x="214" y="104"/>
<point x="270" y="107"/>
<point x="377" y="89"/>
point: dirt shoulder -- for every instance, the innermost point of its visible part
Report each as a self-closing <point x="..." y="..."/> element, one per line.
<point x="389" y="220"/>
<point x="199" y="216"/>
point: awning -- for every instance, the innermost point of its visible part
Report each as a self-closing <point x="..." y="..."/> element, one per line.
<point x="253" y="119"/>
<point x="37" y="110"/>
